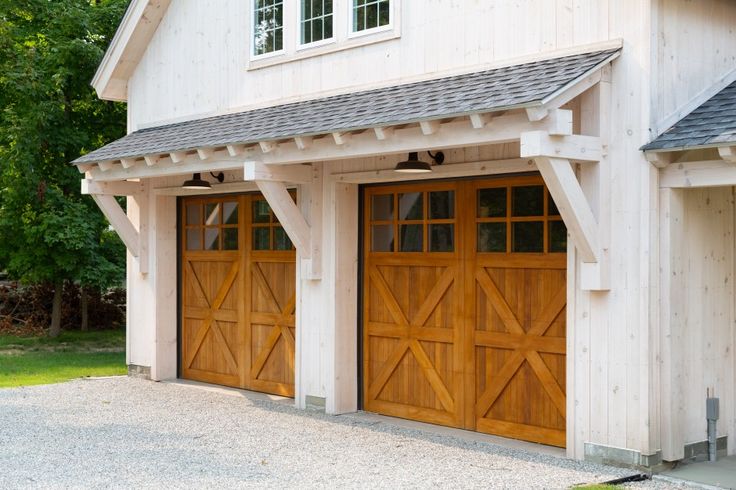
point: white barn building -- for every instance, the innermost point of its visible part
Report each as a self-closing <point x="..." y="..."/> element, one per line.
<point x="558" y="267"/>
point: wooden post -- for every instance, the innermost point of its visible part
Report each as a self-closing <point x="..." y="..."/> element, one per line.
<point x="672" y="321"/>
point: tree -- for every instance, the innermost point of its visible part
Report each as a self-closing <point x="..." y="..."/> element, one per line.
<point x="49" y="51"/>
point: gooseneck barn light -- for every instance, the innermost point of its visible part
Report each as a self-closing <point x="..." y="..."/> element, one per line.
<point x="198" y="184"/>
<point x="415" y="166"/>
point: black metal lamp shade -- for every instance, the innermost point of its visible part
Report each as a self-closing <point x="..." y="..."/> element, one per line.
<point x="196" y="183"/>
<point x="413" y="165"/>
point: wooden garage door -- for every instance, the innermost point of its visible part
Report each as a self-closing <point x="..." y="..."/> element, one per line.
<point x="464" y="299"/>
<point x="238" y="292"/>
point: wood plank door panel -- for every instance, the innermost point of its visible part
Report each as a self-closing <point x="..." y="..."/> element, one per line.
<point x="469" y="333"/>
<point x="412" y="322"/>
<point x="272" y="322"/>
<point x="238" y="292"/>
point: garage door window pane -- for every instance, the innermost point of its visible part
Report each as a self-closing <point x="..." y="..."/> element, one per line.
<point x="212" y="238"/>
<point x="230" y="212"/>
<point x="528" y="236"/>
<point x="281" y="239"/>
<point x="527" y="201"/>
<point x="212" y="213"/>
<point x="411" y="238"/>
<point x="492" y="237"/>
<point x="382" y="207"/>
<point x="194" y="239"/>
<point x="557" y="236"/>
<point x="551" y="206"/>
<point x="442" y="205"/>
<point x="261" y="212"/>
<point x="382" y="238"/>
<point x="410" y="206"/>
<point x="262" y="238"/>
<point x="230" y="239"/>
<point x="194" y="214"/>
<point x="441" y="238"/>
<point x="492" y="203"/>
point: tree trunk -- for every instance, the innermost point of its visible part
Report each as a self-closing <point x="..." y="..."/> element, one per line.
<point x="55" y="328"/>
<point x="84" y="306"/>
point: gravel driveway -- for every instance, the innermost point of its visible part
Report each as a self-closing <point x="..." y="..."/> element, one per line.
<point x="124" y="432"/>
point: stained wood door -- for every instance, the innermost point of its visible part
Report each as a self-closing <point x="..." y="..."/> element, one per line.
<point x="237" y="291"/>
<point x="413" y="293"/>
<point x="463" y="307"/>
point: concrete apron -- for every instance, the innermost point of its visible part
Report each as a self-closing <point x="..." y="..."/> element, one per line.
<point x="720" y="474"/>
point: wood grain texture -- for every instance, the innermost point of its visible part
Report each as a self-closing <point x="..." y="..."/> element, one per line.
<point x="237" y="305"/>
<point x="462" y="338"/>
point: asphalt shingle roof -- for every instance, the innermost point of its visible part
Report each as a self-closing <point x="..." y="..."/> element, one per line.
<point x="711" y="124"/>
<point x="523" y="85"/>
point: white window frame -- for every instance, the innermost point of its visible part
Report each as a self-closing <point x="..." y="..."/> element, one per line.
<point x="321" y="42"/>
<point x="372" y="30"/>
<point x="284" y="33"/>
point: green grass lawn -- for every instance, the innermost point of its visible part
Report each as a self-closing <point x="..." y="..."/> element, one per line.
<point x="26" y="361"/>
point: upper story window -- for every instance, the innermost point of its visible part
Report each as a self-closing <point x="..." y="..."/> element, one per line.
<point x="268" y="26"/>
<point x="371" y="14"/>
<point x="316" y="20"/>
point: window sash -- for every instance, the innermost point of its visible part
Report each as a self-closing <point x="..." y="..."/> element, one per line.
<point x="316" y="22"/>
<point x="370" y="14"/>
<point x="268" y="26"/>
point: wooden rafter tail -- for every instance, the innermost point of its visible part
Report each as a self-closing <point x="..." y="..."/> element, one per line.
<point x="728" y="153"/>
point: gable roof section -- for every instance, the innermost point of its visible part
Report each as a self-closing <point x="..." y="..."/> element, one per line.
<point x="712" y="124"/>
<point x="127" y="47"/>
<point x="518" y="86"/>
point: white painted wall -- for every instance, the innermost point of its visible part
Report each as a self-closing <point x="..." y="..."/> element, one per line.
<point x="707" y="358"/>
<point x="197" y="61"/>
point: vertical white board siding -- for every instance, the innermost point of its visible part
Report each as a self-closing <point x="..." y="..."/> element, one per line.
<point x="197" y="62"/>
<point x="141" y="312"/>
<point x="707" y="359"/>
<point x="696" y="46"/>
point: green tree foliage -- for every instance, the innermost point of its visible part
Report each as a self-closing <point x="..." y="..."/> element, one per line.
<point x="49" y="115"/>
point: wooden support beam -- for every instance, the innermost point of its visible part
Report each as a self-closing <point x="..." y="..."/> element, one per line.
<point x="106" y="165"/>
<point x="536" y="113"/>
<point x="429" y="127"/>
<point x="573" y="147"/>
<point x="177" y="157"/>
<point x="151" y="160"/>
<point x="383" y="133"/>
<point x="341" y="138"/>
<point x="572" y="204"/>
<point x="289" y="215"/>
<point x="479" y="121"/>
<point x="235" y="150"/>
<point x="268" y="146"/>
<point x="205" y="153"/>
<point x="85" y="167"/>
<point x="658" y="159"/>
<point x="297" y="174"/>
<point x="709" y="173"/>
<point x="303" y="142"/>
<point x="560" y="122"/>
<point x="119" y="221"/>
<point x="127" y="162"/>
<point x="314" y="206"/>
<point x="501" y="129"/>
<point x="453" y="170"/>
<point x="728" y="153"/>
<point x="120" y="188"/>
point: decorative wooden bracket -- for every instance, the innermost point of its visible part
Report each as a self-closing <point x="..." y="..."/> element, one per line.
<point x="135" y="240"/>
<point x="306" y="235"/>
<point x="552" y="154"/>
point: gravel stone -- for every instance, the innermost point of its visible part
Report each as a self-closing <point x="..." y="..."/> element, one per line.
<point x="124" y="432"/>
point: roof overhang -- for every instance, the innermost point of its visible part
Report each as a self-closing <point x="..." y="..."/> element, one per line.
<point x="127" y="47"/>
<point x="495" y="106"/>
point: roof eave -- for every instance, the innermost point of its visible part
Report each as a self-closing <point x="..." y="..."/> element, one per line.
<point x="127" y="47"/>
